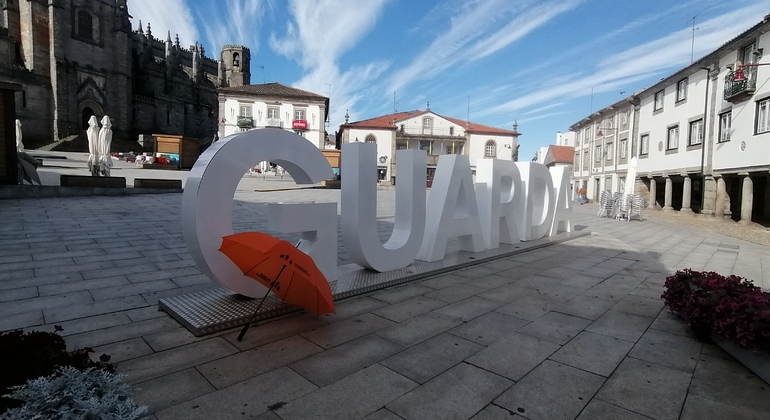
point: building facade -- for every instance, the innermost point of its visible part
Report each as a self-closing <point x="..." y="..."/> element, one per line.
<point x="79" y="58"/>
<point x="434" y="133"/>
<point x="702" y="136"/>
<point x="246" y="107"/>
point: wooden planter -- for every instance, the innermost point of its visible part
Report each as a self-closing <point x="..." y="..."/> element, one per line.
<point x="759" y="363"/>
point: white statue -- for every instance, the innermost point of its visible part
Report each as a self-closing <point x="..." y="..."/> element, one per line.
<point x="93" y="145"/>
<point x="105" y="141"/>
<point x="19" y="144"/>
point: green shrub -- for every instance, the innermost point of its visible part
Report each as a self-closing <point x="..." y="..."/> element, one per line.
<point x="30" y="355"/>
<point x="73" y="394"/>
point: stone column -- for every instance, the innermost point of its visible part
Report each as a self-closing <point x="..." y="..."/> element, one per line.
<point x="668" y="194"/>
<point x="766" y="207"/>
<point x="686" y="195"/>
<point x="747" y="198"/>
<point x="719" y="208"/>
<point x="653" y="193"/>
<point x="709" y="196"/>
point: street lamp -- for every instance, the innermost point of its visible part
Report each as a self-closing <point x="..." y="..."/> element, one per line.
<point x="505" y="146"/>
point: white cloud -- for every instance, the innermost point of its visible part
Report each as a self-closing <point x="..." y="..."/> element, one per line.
<point x="165" y="16"/>
<point x="234" y="22"/>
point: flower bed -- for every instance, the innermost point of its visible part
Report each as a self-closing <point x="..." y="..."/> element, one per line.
<point x="731" y="309"/>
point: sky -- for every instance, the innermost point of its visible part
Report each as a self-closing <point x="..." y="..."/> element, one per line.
<point x="545" y="64"/>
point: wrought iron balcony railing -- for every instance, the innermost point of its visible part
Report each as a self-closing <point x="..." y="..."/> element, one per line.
<point x="740" y="84"/>
<point x="245" y="122"/>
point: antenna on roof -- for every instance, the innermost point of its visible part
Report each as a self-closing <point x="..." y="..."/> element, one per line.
<point x="394" y="102"/>
<point x="468" y="118"/>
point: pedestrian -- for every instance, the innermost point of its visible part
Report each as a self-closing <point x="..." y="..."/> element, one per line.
<point x="582" y="198"/>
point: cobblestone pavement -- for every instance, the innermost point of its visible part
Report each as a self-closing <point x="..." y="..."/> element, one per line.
<point x="575" y="330"/>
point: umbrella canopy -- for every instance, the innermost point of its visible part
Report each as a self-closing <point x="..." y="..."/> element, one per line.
<point x="104" y="144"/>
<point x="631" y="176"/>
<point x="19" y="144"/>
<point x="27" y="168"/>
<point x="288" y="272"/>
<point x="93" y="149"/>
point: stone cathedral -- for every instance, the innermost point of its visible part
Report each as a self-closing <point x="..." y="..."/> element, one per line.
<point x="77" y="58"/>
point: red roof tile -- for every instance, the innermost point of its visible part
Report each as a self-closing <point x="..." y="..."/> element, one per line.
<point x="560" y="154"/>
<point x="389" y="122"/>
<point x="273" y="89"/>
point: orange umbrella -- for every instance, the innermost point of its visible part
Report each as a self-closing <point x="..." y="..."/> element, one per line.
<point x="282" y="268"/>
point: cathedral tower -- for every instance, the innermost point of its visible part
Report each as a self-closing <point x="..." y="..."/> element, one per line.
<point x="237" y="62"/>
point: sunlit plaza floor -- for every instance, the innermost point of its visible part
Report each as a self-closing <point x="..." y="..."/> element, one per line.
<point x="574" y="330"/>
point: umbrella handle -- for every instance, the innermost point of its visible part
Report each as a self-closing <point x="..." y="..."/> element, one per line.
<point x="248" y="324"/>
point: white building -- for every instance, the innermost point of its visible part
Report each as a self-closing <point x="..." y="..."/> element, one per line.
<point x="722" y="102"/>
<point x="434" y="133"/>
<point x="243" y="108"/>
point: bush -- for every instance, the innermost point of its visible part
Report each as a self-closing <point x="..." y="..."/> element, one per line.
<point x="730" y="307"/>
<point x="73" y="394"/>
<point x="30" y="355"/>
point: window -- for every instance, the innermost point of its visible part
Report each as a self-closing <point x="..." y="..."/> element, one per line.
<point x="490" y="149"/>
<point x="610" y="152"/>
<point x="85" y="25"/>
<point x="451" y="131"/>
<point x="645" y="145"/>
<point x="598" y="153"/>
<point x="585" y="160"/>
<point x="427" y="126"/>
<point x="672" y="138"/>
<point x="273" y="113"/>
<point x="401" y="145"/>
<point x="695" y="136"/>
<point x="623" y="146"/>
<point x="236" y="60"/>
<point x="681" y="90"/>
<point x="245" y="111"/>
<point x="577" y="160"/>
<point x="370" y="139"/>
<point x="577" y="139"/>
<point x="425" y="145"/>
<point x="299" y="114"/>
<point x="658" y="101"/>
<point x="725" y="126"/>
<point x="763" y="116"/>
<point x="624" y="119"/>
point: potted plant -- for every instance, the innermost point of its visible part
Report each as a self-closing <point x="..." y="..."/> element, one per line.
<point x="731" y="311"/>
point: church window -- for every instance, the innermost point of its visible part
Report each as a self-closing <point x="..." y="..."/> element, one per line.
<point x="236" y="59"/>
<point x="370" y="139"/>
<point x="490" y="149"/>
<point x="85" y="25"/>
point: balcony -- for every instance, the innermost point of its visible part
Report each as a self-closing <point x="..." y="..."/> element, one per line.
<point x="419" y="131"/>
<point x="274" y="122"/>
<point x="299" y="125"/>
<point x="245" y="122"/>
<point x="740" y="84"/>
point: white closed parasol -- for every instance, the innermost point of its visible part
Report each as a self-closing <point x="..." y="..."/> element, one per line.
<point x="93" y="148"/>
<point x="19" y="144"/>
<point x="631" y="176"/>
<point x="105" y="142"/>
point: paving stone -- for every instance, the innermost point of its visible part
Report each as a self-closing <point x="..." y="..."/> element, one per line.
<point x="646" y="388"/>
<point x="341" y="332"/>
<point x="331" y="365"/>
<point x="443" y="281"/>
<point x="428" y="359"/>
<point x="420" y="328"/>
<point x="729" y="382"/>
<point x="353" y="397"/>
<point x="620" y="325"/>
<point x="382" y="414"/>
<point x="41" y="303"/>
<point x="407" y="309"/>
<point x="513" y="355"/>
<point x="145" y="313"/>
<point x="600" y="410"/>
<point x="95" y="267"/>
<point x="594" y="353"/>
<point x="165" y="362"/>
<point x="504" y="264"/>
<point x="528" y="308"/>
<point x="99" y="255"/>
<point x="555" y="327"/>
<point x="401" y="293"/>
<point x="668" y="350"/>
<point x="351" y="307"/>
<point x="152" y="298"/>
<point x="28" y="280"/>
<point x="249" y="398"/>
<point x="163" y="392"/>
<point x="432" y="401"/>
<point x="581" y="281"/>
<point x="638" y="305"/>
<point x="507" y="293"/>
<point x="244" y="365"/>
<point x="92" y="323"/>
<point x="274" y="330"/>
<point x="455" y="293"/>
<point x="116" y="333"/>
<point x="132" y="289"/>
<point x="490" y="281"/>
<point x="19" y="321"/>
<point x="93" y="308"/>
<point x="699" y="408"/>
<point x="170" y="338"/>
<point x="468" y="309"/>
<point x="488" y="328"/>
<point x="551" y="391"/>
<point x="475" y="272"/>
<point x="669" y="322"/>
<point x="18" y="294"/>
<point x="584" y="307"/>
<point x="124" y="350"/>
<point x="493" y="412"/>
<point x="76" y="286"/>
<point x="193" y="280"/>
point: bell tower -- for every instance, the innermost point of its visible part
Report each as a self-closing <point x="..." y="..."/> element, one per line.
<point x="237" y="62"/>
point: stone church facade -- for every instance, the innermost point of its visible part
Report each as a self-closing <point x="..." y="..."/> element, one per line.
<point x="78" y="58"/>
